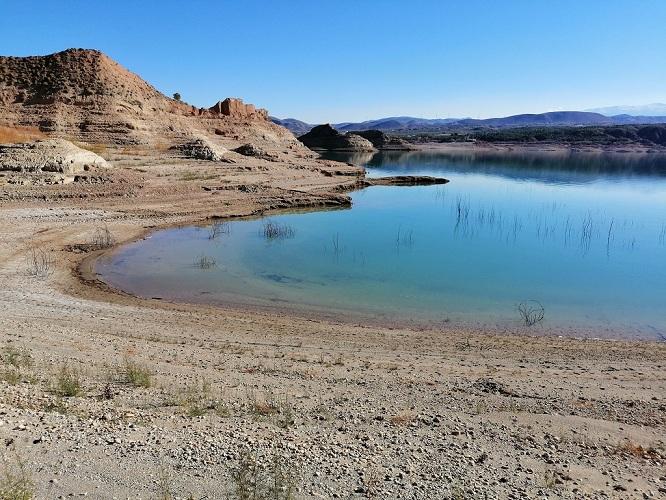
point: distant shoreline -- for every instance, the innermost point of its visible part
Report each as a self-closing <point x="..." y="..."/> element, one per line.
<point x="538" y="147"/>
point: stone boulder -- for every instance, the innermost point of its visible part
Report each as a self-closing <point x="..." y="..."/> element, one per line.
<point x="202" y="149"/>
<point x="380" y="140"/>
<point x="254" y="151"/>
<point x="327" y="138"/>
<point x="52" y="155"/>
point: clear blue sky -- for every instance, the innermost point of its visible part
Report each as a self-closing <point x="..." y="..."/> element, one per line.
<point x="339" y="60"/>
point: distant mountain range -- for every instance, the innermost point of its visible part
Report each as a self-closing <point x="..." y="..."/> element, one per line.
<point x="654" y="109"/>
<point x="553" y="118"/>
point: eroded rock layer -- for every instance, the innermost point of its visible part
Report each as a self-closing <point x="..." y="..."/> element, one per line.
<point x="83" y="95"/>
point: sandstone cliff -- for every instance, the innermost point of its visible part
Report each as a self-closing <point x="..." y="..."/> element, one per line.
<point x="86" y="96"/>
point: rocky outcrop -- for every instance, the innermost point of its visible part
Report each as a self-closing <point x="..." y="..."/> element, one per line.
<point x="254" y="151"/>
<point x="84" y="95"/>
<point x="380" y="140"/>
<point x="202" y="149"/>
<point x="52" y="155"/>
<point x="235" y="108"/>
<point x="327" y="138"/>
<point x="403" y="180"/>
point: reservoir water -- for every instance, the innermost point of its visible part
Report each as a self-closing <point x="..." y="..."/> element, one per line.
<point x="581" y="235"/>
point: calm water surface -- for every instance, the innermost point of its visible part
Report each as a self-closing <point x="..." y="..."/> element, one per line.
<point x="582" y="234"/>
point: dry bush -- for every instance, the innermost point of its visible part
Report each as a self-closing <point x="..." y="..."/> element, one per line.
<point x="253" y="480"/>
<point x="102" y="238"/>
<point x="199" y="399"/>
<point x="40" y="263"/>
<point x="10" y="135"/>
<point x="17" y="356"/>
<point x="630" y="448"/>
<point x="67" y="382"/>
<point x="403" y="418"/>
<point x="16" y="482"/>
<point x="18" y="361"/>
<point x="136" y="374"/>
<point x="279" y="409"/>
<point x="11" y="376"/>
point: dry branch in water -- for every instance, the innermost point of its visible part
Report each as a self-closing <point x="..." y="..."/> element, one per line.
<point x="531" y="312"/>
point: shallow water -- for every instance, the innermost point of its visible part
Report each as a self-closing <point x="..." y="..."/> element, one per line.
<point x="582" y="234"/>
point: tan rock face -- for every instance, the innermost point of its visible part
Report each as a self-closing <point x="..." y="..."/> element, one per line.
<point x="53" y="155"/>
<point x="234" y="107"/>
<point x="84" y="95"/>
<point x="202" y="149"/>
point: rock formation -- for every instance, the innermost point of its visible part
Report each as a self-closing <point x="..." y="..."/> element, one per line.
<point x="327" y="138"/>
<point x="250" y="149"/>
<point x="237" y="109"/>
<point x="380" y="140"/>
<point x="52" y="155"/>
<point x="84" y="95"/>
<point x="202" y="149"/>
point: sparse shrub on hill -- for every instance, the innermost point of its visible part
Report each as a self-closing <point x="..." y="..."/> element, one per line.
<point x="15" y="481"/>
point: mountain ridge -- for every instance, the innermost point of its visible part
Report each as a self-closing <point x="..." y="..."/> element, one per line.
<point x="551" y="118"/>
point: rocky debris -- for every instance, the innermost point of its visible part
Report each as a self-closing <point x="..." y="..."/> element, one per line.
<point x="236" y="108"/>
<point x="380" y="140"/>
<point x="254" y="151"/>
<point x="491" y="387"/>
<point x="52" y="155"/>
<point x="203" y="149"/>
<point x="327" y="138"/>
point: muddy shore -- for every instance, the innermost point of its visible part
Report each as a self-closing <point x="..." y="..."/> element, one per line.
<point x="349" y="411"/>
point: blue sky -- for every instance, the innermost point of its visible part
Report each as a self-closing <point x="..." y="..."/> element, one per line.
<point x="339" y="60"/>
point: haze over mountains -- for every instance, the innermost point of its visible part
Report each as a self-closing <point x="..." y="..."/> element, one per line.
<point x="553" y="118"/>
<point x="654" y="109"/>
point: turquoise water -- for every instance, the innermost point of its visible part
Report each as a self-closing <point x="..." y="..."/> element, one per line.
<point x="582" y="234"/>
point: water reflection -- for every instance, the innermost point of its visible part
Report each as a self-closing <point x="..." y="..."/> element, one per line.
<point x="583" y="234"/>
<point x="557" y="167"/>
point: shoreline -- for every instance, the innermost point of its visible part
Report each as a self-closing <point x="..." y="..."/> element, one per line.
<point x="485" y="147"/>
<point x="85" y="272"/>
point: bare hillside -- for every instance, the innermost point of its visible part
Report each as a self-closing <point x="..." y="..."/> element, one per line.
<point x="84" y="95"/>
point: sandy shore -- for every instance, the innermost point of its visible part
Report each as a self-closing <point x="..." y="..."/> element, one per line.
<point x="171" y="397"/>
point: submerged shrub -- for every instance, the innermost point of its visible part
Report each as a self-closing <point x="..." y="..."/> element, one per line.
<point x="531" y="312"/>
<point x="218" y="228"/>
<point x="205" y="262"/>
<point x="274" y="231"/>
